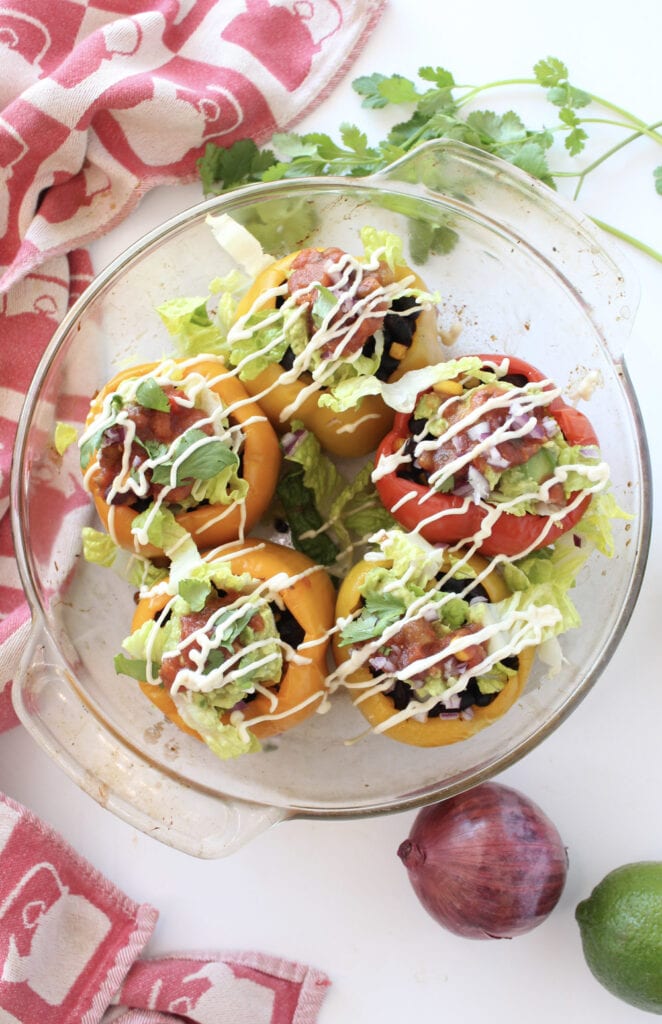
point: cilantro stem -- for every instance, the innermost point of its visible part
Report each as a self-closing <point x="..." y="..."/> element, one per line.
<point x="646" y="129"/>
<point x="637" y="121"/>
<point x="631" y="119"/>
<point x="581" y="175"/>
<point x="498" y="84"/>
<point x="635" y="242"/>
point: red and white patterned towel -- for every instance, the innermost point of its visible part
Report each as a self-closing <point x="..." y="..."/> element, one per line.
<point x="100" y="100"/>
<point x="70" y="944"/>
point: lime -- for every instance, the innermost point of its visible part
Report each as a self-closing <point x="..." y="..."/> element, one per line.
<point x="621" y="930"/>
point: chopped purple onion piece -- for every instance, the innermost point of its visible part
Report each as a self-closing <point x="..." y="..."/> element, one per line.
<point x="479" y="485"/>
<point x="291" y="441"/>
<point x="478" y="432"/>
<point x="496" y="459"/>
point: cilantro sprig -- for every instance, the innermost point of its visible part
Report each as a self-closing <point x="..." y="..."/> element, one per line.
<point x="439" y="107"/>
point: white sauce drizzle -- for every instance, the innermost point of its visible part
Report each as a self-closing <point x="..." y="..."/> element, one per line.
<point x="195" y="391"/>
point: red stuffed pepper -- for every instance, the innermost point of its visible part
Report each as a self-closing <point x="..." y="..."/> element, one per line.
<point x="494" y="458"/>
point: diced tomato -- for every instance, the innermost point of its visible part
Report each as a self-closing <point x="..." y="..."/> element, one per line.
<point x="315" y="267"/>
<point x="418" y="640"/>
<point x="151" y="425"/>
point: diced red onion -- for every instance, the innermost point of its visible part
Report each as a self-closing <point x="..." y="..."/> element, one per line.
<point x="520" y="421"/>
<point x="291" y="441"/>
<point x="463" y="491"/>
<point x="496" y="459"/>
<point x="539" y="432"/>
<point x="381" y="663"/>
<point x="478" y="432"/>
<point x="478" y="483"/>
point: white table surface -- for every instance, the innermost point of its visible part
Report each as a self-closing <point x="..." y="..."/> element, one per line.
<point x="335" y="894"/>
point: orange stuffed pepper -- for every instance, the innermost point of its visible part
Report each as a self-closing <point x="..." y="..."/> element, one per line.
<point x="181" y="435"/>
<point x="238" y="652"/>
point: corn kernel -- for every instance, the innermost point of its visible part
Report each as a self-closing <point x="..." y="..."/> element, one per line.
<point x="397" y="351"/>
<point x="448" y="387"/>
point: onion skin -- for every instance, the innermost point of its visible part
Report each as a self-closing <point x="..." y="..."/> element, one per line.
<point x="487" y="864"/>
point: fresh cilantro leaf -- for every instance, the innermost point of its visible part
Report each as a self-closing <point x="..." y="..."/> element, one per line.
<point x="442" y="78"/>
<point x="398" y="89"/>
<point x="532" y="159"/>
<point x="222" y="168"/>
<point x="565" y="95"/>
<point x="203" y="463"/>
<point x="550" y="72"/>
<point x="227" y="626"/>
<point x="436" y="101"/>
<point x="154" y="449"/>
<point x="151" y="395"/>
<point x="292" y="145"/>
<point x="575" y="141"/>
<point x="379" y="612"/>
<point x="497" y="127"/>
<point x="356" y="140"/>
<point x="437" y="113"/>
<point x="426" y="238"/>
<point x="88" y="448"/>
<point x="368" y="87"/>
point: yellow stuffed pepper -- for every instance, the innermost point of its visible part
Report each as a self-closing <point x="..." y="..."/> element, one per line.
<point x="237" y="651"/>
<point x="315" y="325"/>
<point x="430" y="651"/>
<point x="181" y="435"/>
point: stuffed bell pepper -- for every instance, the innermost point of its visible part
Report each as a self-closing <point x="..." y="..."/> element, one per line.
<point x="183" y="437"/>
<point x="233" y="648"/>
<point x="316" y="324"/>
<point x="491" y="456"/>
<point x="434" y="647"/>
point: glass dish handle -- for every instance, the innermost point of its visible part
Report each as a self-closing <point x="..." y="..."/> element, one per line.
<point x="536" y="216"/>
<point x="116" y="775"/>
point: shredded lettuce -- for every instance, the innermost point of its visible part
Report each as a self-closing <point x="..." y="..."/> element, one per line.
<point x="263" y="339"/>
<point x="188" y="322"/>
<point x="595" y="527"/>
<point x="401" y="394"/>
<point x="98" y="547"/>
<point x="326" y="514"/>
<point x="388" y="245"/>
<point x="226" y="741"/>
<point x="239" y="243"/>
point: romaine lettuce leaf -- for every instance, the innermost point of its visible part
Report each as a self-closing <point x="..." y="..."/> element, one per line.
<point x="226" y="741"/>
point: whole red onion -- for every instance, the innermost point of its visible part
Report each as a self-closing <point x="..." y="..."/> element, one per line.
<point x="487" y="864"/>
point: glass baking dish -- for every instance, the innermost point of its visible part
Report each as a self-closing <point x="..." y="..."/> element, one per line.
<point x="520" y="272"/>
